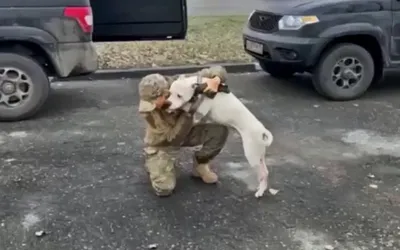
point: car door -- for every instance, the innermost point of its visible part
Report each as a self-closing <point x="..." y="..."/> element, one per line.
<point x="395" y="33"/>
<point x="133" y="20"/>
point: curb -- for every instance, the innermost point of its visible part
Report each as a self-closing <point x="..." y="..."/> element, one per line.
<point x="111" y="74"/>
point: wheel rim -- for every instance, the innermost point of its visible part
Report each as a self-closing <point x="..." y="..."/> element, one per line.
<point x="15" y="87"/>
<point x="347" y="72"/>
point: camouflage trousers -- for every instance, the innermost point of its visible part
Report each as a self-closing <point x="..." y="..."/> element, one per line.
<point x="160" y="161"/>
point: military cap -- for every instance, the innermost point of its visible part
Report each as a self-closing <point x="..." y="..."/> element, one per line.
<point x="151" y="87"/>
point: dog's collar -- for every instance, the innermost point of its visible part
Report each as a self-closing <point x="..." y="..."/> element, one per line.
<point x="198" y="89"/>
<point x="197" y="97"/>
<point x="196" y="104"/>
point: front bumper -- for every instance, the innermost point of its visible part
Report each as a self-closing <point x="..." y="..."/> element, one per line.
<point x="298" y="52"/>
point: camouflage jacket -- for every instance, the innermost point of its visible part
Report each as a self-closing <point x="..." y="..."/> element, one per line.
<point x="163" y="128"/>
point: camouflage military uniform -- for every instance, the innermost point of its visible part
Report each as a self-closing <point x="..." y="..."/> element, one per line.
<point x="166" y="132"/>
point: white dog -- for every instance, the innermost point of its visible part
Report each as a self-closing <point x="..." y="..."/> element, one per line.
<point x="228" y="110"/>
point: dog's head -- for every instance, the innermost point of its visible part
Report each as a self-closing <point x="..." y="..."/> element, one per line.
<point x="181" y="91"/>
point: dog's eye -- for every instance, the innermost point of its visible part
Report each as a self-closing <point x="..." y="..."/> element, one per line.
<point x="179" y="96"/>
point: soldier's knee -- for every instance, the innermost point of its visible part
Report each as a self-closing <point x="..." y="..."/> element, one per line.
<point x="160" y="166"/>
<point x="163" y="181"/>
<point x="224" y="132"/>
<point x="164" y="186"/>
<point x="220" y="132"/>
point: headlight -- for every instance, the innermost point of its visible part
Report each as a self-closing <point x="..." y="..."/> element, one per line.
<point x="296" y="22"/>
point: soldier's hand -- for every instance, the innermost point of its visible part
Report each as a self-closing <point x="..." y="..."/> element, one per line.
<point x="212" y="84"/>
<point x="160" y="102"/>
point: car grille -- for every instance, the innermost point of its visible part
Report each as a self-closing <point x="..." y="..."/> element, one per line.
<point x="264" y="22"/>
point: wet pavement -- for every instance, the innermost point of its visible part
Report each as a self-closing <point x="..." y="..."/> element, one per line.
<point x="76" y="174"/>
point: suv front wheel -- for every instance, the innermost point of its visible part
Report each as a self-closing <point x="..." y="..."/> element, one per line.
<point x="24" y="87"/>
<point x="344" y="72"/>
<point x="276" y="70"/>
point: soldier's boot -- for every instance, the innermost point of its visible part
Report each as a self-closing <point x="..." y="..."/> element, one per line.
<point x="203" y="171"/>
<point x="161" y="169"/>
<point x="212" y="137"/>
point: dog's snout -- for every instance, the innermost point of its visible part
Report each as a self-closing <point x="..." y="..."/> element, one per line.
<point x="166" y="104"/>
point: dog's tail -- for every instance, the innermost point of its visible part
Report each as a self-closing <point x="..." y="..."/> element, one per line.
<point x="267" y="138"/>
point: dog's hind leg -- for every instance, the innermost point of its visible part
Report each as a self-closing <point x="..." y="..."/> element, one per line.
<point x="263" y="174"/>
<point x="255" y="155"/>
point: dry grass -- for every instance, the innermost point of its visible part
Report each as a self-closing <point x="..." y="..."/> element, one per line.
<point x="209" y="40"/>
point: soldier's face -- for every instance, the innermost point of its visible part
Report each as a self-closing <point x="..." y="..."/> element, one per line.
<point x="181" y="91"/>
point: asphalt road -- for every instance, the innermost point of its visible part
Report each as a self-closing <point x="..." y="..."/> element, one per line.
<point x="76" y="173"/>
<point x="222" y="7"/>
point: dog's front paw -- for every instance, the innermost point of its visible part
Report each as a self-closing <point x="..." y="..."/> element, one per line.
<point x="262" y="187"/>
<point x="259" y="193"/>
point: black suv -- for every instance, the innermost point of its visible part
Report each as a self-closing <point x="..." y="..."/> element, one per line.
<point x="54" y="38"/>
<point x="344" y="44"/>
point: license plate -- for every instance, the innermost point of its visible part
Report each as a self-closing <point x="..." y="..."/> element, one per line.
<point x="254" y="47"/>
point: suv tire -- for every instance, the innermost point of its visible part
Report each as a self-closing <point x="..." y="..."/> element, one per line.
<point x="276" y="71"/>
<point x="24" y="87"/>
<point x="344" y="72"/>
